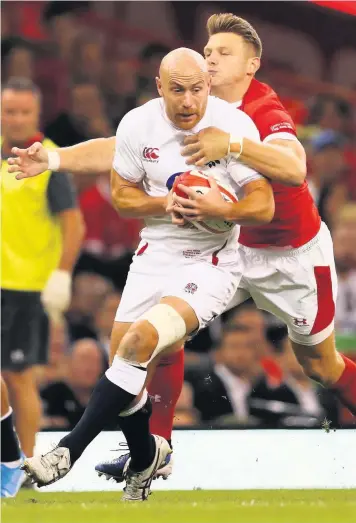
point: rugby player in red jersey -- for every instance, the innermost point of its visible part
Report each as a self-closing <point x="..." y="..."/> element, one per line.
<point x="288" y="264"/>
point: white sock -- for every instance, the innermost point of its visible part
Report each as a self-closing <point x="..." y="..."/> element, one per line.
<point x="13" y="464"/>
<point x="126" y="376"/>
<point x="9" y="412"/>
<point x="135" y="408"/>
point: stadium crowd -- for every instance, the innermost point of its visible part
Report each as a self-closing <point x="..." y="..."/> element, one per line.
<point x="241" y="371"/>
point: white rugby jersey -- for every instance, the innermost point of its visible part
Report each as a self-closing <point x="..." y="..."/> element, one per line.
<point x="148" y="151"/>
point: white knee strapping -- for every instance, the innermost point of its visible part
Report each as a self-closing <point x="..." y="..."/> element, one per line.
<point x="126" y="376"/>
<point x="135" y="408"/>
<point x="168" y="323"/>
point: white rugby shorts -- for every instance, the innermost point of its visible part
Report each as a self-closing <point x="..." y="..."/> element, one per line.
<point x="299" y="286"/>
<point x="198" y="280"/>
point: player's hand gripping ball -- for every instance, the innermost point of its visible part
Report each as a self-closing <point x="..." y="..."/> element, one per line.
<point x="199" y="182"/>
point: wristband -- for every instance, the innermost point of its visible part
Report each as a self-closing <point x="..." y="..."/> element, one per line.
<point x="54" y="160"/>
<point x="235" y="139"/>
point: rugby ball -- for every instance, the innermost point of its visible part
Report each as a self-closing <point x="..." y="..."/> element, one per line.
<point x="198" y="181"/>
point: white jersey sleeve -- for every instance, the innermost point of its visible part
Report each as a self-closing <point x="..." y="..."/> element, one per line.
<point x="127" y="159"/>
<point x="242" y="125"/>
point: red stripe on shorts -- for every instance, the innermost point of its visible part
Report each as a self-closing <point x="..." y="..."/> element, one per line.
<point x="214" y="257"/>
<point x="326" y="305"/>
<point x="142" y="250"/>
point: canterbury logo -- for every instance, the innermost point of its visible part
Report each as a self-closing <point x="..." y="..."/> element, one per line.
<point x="150" y="154"/>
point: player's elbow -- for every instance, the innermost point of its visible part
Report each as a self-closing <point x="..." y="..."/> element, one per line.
<point x="295" y="173"/>
<point x="266" y="214"/>
<point x="265" y="211"/>
<point x="122" y="204"/>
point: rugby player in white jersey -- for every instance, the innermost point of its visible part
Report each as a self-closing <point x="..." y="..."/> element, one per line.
<point x="180" y="278"/>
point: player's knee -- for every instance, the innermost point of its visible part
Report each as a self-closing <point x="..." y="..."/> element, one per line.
<point x="139" y="342"/>
<point x="160" y="327"/>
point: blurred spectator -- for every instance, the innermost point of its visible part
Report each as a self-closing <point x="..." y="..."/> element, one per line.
<point x="328" y="172"/>
<point x="257" y="323"/>
<point x="237" y="391"/>
<point x="87" y="57"/>
<point x="110" y="239"/>
<point x="64" y="401"/>
<point x="331" y="113"/>
<point x="18" y="59"/>
<point x="185" y="414"/>
<point x="104" y="320"/>
<point x="85" y="119"/>
<point x="6" y="26"/>
<point x="89" y="292"/>
<point x="344" y="238"/>
<point x="252" y="319"/>
<point x="150" y="60"/>
<point x="119" y="85"/>
<point x="62" y="25"/>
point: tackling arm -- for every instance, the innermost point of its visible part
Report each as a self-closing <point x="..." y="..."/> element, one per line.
<point x="282" y="161"/>
<point x="255" y="208"/>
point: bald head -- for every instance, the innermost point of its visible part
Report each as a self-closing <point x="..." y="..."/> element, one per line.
<point x="184" y="84"/>
<point x="182" y="59"/>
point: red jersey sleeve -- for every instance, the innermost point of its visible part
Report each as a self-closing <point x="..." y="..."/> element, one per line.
<point x="91" y="207"/>
<point x="273" y="120"/>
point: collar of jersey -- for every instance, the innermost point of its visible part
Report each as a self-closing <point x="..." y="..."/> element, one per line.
<point x="236" y="104"/>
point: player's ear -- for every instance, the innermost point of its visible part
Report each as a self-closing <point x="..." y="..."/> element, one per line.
<point x="253" y="65"/>
<point x="159" y="86"/>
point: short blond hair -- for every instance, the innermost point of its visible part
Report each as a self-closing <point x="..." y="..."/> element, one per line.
<point x="230" y="23"/>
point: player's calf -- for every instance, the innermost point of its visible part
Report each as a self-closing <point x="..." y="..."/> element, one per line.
<point x="324" y="364"/>
<point x="321" y="362"/>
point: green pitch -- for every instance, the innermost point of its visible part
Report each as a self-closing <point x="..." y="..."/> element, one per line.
<point x="272" y="506"/>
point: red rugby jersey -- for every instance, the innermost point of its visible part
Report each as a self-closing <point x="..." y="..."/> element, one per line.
<point x="296" y="220"/>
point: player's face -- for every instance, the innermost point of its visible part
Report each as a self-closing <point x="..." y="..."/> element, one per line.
<point x="20" y="116"/>
<point x="229" y="59"/>
<point x="185" y="97"/>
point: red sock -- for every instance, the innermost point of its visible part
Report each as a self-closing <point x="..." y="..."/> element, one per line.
<point x="164" y="389"/>
<point x="345" y="387"/>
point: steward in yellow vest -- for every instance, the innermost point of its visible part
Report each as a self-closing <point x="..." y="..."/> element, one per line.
<point x="41" y="235"/>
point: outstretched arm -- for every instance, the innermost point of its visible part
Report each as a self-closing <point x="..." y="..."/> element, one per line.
<point x="91" y="157"/>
